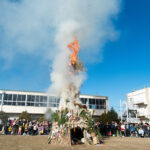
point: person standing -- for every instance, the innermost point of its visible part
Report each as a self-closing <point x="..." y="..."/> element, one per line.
<point x="35" y="129"/>
<point x="19" y="130"/>
<point x="127" y="129"/>
<point x="122" y="129"/>
<point x="26" y="128"/>
<point x="9" y="130"/>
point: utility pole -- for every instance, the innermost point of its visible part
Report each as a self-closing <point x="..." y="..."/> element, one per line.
<point x="121" y="110"/>
<point x="2" y="101"/>
<point x="127" y="110"/>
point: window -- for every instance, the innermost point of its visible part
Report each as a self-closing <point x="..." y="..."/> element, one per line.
<point x="14" y="103"/>
<point x="91" y="101"/>
<point x="42" y="104"/>
<point x="90" y="106"/>
<point x="97" y="103"/>
<point x="32" y="98"/>
<point x="10" y="97"/>
<point x="41" y="98"/>
<point x="0" y="97"/>
<point x="37" y="98"/>
<point x="5" y="97"/>
<point x="5" y="102"/>
<point x="53" y="100"/>
<point x="23" y="98"/>
<point x="14" y="97"/>
<point x="83" y="100"/>
<point x="97" y="107"/>
<point x="44" y="98"/>
<point x="101" y="106"/>
<point x="37" y="104"/>
<point x="53" y="105"/>
<point x="29" y="98"/>
<point x="19" y="98"/>
<point x="58" y="100"/>
<point x="21" y="103"/>
<point x="31" y="104"/>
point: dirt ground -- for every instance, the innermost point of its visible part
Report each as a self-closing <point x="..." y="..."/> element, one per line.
<point x="40" y="143"/>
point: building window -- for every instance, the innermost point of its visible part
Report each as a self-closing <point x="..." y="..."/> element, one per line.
<point x="91" y="101"/>
<point x="97" y="104"/>
<point x="45" y="99"/>
<point x="29" y="98"/>
<point x="14" y="103"/>
<point x="23" y="98"/>
<point x="83" y="100"/>
<point x="0" y="96"/>
<point x="5" y="97"/>
<point x="58" y="100"/>
<point x="19" y="98"/>
<point x="37" y="98"/>
<point x="14" y="97"/>
<point x="9" y="97"/>
<point x="0" y="99"/>
<point x="32" y="98"/>
<point x="21" y="103"/>
<point x="41" y="98"/>
<point x="53" y="101"/>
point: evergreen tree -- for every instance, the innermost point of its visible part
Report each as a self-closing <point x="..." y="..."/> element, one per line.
<point x="3" y="117"/>
<point x="109" y="117"/>
<point x="25" y="115"/>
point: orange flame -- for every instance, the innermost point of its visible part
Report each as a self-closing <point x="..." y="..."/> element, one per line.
<point x="74" y="46"/>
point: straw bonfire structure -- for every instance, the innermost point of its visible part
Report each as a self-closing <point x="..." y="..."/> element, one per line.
<point x="74" y="125"/>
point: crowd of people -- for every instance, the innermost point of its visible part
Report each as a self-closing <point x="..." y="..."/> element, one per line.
<point x="25" y="127"/>
<point x="125" y="129"/>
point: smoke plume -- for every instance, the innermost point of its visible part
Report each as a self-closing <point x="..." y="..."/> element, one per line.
<point x="46" y="27"/>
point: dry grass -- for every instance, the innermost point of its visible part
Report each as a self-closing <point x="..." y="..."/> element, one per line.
<point x="40" y="143"/>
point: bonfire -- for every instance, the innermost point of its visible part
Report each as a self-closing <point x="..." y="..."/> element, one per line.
<point x="74" y="125"/>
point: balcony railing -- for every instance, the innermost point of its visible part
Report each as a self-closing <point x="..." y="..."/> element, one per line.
<point x="138" y="102"/>
<point x="133" y="120"/>
<point x="142" y="114"/>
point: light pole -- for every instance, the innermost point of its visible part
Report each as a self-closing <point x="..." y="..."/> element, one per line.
<point x="2" y="100"/>
<point x="121" y="110"/>
<point x="127" y="110"/>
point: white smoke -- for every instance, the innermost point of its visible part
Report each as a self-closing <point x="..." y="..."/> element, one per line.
<point x="46" y="27"/>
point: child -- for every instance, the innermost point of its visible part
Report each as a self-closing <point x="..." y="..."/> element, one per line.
<point x="9" y="130"/>
<point x="26" y="129"/>
<point x="19" y="131"/>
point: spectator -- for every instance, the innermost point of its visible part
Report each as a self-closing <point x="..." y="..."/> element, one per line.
<point x="141" y="132"/>
<point x="26" y="129"/>
<point x="9" y="130"/>
<point x="35" y="129"/>
<point x="122" y="129"/>
<point x="127" y="129"/>
<point x="19" y="130"/>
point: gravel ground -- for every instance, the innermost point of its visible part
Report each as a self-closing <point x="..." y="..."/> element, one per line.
<point x="40" y="143"/>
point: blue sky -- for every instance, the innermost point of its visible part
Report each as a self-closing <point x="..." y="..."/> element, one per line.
<point x="126" y="64"/>
<point x="124" y="67"/>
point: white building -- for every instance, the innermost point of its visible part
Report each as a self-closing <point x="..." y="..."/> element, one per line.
<point x="36" y="103"/>
<point x="139" y="104"/>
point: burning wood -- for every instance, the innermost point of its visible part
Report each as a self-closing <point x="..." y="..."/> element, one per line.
<point x="75" y="62"/>
<point x="74" y="46"/>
